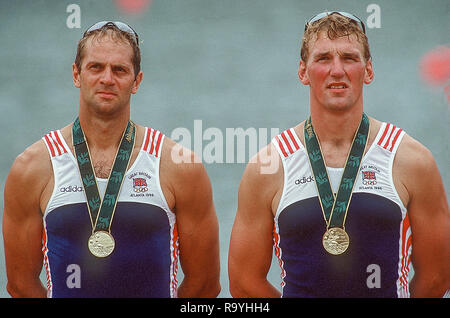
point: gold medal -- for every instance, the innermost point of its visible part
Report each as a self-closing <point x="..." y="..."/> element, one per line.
<point x="335" y="206"/>
<point x="335" y="241"/>
<point x="101" y="244"/>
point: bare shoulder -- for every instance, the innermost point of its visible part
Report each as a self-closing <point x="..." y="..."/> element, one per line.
<point x="30" y="173"/>
<point x="33" y="163"/>
<point x="181" y="173"/>
<point x="179" y="160"/>
<point x="414" y="169"/>
<point x="262" y="180"/>
<point x="265" y="166"/>
<point x="413" y="157"/>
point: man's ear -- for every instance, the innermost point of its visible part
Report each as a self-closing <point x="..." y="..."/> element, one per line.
<point x="76" y="76"/>
<point x="368" y="77"/>
<point x="137" y="82"/>
<point x="302" y="75"/>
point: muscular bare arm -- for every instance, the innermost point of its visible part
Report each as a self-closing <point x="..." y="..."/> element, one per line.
<point x="190" y="192"/>
<point x="22" y="221"/>
<point x="429" y="218"/>
<point x="251" y="243"/>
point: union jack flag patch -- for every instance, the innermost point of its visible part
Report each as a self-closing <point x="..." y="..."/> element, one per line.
<point x="140" y="185"/>
<point x="368" y="175"/>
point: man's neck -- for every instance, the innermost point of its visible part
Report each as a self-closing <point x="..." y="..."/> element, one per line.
<point x="103" y="133"/>
<point x="336" y="128"/>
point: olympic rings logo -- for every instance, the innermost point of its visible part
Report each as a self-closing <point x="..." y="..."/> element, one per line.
<point x="140" y="189"/>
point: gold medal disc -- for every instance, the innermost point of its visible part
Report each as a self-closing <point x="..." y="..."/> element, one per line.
<point x="335" y="241"/>
<point x="101" y="244"/>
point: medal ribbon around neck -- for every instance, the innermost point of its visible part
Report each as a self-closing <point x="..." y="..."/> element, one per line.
<point x="101" y="211"/>
<point x="335" y="208"/>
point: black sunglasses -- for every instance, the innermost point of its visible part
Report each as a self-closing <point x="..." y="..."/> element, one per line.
<point x="120" y="25"/>
<point x="322" y="15"/>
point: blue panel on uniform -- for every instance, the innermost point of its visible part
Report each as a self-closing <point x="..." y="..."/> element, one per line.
<point x="373" y="227"/>
<point x="138" y="267"/>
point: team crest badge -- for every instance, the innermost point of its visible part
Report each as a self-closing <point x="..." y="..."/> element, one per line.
<point x="140" y="185"/>
<point x="369" y="177"/>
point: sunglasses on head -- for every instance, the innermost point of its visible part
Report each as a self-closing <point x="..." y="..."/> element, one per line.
<point x="120" y="25"/>
<point x="322" y="15"/>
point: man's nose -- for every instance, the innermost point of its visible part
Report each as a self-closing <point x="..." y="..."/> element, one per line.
<point x="107" y="77"/>
<point x="337" y="68"/>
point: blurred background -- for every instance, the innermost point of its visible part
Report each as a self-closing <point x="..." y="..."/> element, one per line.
<point x="228" y="63"/>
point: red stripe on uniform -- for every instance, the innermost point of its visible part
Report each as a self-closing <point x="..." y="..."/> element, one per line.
<point x="395" y="139"/>
<point x="158" y="143"/>
<point x="174" y="258"/>
<point x="293" y="139"/>
<point x="277" y="251"/>
<point x="287" y="143"/>
<point x="281" y="146"/>
<point x="152" y="142"/>
<point x="384" y="134"/>
<point x="147" y="138"/>
<point x="60" y="143"/>
<point x="50" y="146"/>
<point x="389" y="138"/>
<point x="53" y="141"/>
<point x="45" y="261"/>
<point x="406" y="243"/>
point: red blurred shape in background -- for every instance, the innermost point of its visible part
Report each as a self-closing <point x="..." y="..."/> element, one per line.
<point x="133" y="6"/>
<point x="435" y="66"/>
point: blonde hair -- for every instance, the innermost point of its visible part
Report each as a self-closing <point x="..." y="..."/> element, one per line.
<point x="335" y="26"/>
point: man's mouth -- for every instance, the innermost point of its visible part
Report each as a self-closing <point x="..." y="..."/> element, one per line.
<point x="337" y="86"/>
<point x="106" y="93"/>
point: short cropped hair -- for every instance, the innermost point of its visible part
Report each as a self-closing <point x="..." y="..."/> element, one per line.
<point x="335" y="26"/>
<point x="117" y="35"/>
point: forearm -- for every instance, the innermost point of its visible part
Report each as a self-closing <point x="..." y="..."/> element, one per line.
<point x="21" y="289"/>
<point x="257" y="288"/>
<point x="198" y="288"/>
<point x="427" y="287"/>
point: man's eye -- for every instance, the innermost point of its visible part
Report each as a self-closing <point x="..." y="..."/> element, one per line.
<point x="119" y="69"/>
<point x="350" y="58"/>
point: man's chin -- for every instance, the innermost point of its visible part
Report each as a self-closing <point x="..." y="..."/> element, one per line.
<point x="338" y="107"/>
<point x="106" y="108"/>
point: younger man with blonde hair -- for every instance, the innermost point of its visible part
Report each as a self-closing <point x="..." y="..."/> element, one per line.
<point x="349" y="212"/>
